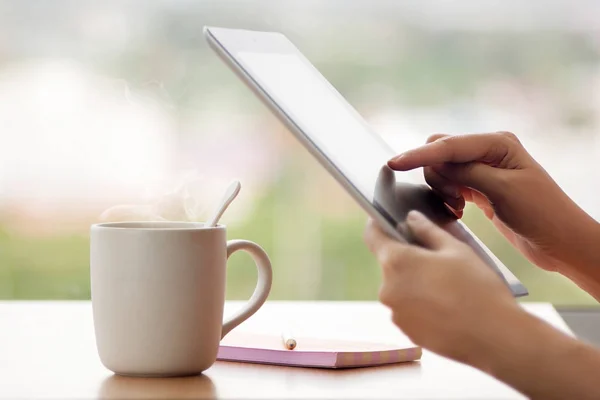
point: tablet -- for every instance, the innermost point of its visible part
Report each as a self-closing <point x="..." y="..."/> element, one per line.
<point x="337" y="136"/>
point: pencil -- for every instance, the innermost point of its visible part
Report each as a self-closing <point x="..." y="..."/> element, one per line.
<point x="288" y="341"/>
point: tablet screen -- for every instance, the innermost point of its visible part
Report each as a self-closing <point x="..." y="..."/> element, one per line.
<point x="317" y="111"/>
<point x="341" y="135"/>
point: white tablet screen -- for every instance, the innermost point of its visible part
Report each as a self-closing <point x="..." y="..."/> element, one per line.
<point x="316" y="109"/>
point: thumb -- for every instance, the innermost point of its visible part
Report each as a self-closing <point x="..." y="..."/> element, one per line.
<point x="474" y="175"/>
<point x="426" y="232"/>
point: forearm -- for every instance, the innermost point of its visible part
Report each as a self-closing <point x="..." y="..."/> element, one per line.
<point x="540" y="361"/>
<point x="580" y="252"/>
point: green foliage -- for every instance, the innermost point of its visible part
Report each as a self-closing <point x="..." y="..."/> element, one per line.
<point x="44" y="267"/>
<point x="57" y="267"/>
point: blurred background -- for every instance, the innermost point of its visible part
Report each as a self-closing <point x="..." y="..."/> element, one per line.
<point x="105" y="103"/>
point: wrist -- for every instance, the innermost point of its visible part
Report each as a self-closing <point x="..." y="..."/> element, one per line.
<point x="580" y="259"/>
<point x="576" y="250"/>
<point x="527" y="340"/>
<point x="531" y="356"/>
<point x="500" y="336"/>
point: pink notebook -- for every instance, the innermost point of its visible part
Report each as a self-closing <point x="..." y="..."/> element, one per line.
<point x="311" y="352"/>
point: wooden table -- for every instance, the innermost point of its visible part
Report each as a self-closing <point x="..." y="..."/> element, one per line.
<point x="47" y="350"/>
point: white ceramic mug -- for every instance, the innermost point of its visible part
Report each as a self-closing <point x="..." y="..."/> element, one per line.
<point x="158" y="292"/>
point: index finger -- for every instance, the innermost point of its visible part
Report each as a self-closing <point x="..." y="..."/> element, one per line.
<point x="488" y="148"/>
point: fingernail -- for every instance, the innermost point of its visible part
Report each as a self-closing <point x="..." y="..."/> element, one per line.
<point x="415" y="216"/>
<point x="461" y="204"/>
<point x="457" y="213"/>
<point x="451" y="191"/>
<point x="397" y="158"/>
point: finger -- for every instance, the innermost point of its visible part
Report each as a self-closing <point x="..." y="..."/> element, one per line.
<point x="480" y="200"/>
<point x="473" y="196"/>
<point x="376" y="238"/>
<point x="436" y="136"/>
<point x="448" y="190"/>
<point x="458" y="213"/>
<point x="389" y="252"/>
<point x="491" y="148"/>
<point x="481" y="177"/>
<point x="427" y="233"/>
<point x="467" y="193"/>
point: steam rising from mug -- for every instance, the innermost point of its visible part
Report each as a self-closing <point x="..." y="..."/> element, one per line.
<point x="186" y="202"/>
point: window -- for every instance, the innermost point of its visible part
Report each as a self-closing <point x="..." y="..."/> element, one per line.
<point x="105" y="103"/>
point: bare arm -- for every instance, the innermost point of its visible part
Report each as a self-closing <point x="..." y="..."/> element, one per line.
<point x="465" y="312"/>
<point x="540" y="361"/>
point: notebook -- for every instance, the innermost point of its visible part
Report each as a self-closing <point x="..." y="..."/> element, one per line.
<point x="313" y="352"/>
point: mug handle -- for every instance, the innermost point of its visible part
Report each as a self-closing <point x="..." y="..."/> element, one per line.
<point x="263" y="286"/>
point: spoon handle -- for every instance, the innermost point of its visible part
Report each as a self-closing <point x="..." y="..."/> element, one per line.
<point x="230" y="195"/>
